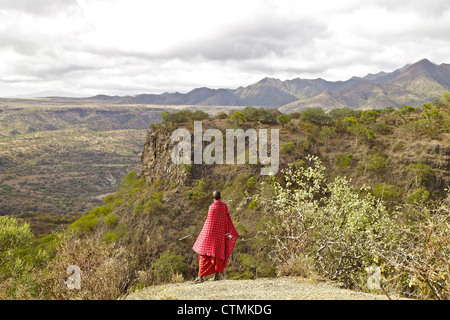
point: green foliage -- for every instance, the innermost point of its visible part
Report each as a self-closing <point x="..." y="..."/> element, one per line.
<point x="284" y="119"/>
<point x="369" y="116"/>
<point x="154" y="204"/>
<point x="187" y="167"/>
<point x="287" y="148"/>
<point x="18" y="260"/>
<point x="237" y="118"/>
<point x="303" y="145"/>
<point x="386" y="192"/>
<point x="102" y="211"/>
<point x="333" y="232"/>
<point x="316" y="116"/>
<point x="198" y="193"/>
<point x="342" y="113"/>
<point x="251" y="182"/>
<point x="377" y="163"/>
<point x="253" y="205"/>
<point x="418" y="197"/>
<point x="259" y="114"/>
<point x="327" y="133"/>
<point x="350" y="121"/>
<point x="431" y="113"/>
<point x="111" y="220"/>
<point x="13" y="234"/>
<point x="170" y="118"/>
<point x="168" y="265"/>
<point x="85" y="224"/>
<point x="112" y="236"/>
<point x="382" y="128"/>
<point x="251" y="265"/>
<point x="344" y="161"/>
<point x="445" y="98"/>
<point x="421" y="172"/>
<point x="387" y="110"/>
<point x="361" y="132"/>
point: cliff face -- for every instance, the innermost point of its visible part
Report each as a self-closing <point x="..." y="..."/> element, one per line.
<point x="438" y="158"/>
<point x="156" y="159"/>
<point x="157" y="164"/>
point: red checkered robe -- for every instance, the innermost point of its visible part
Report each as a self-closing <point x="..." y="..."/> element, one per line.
<point x="213" y="240"/>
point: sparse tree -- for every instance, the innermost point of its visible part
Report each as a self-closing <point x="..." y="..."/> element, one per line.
<point x="327" y="133"/>
<point x="283" y="119"/>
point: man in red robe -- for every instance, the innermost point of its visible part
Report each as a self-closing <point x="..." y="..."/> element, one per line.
<point x="216" y="240"/>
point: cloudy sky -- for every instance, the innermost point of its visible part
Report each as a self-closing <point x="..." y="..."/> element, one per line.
<point x="88" y="47"/>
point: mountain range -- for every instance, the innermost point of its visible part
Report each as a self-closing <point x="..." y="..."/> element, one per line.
<point x="412" y="84"/>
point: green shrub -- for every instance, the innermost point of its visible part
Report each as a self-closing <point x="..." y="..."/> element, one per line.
<point x="418" y="197"/>
<point x="237" y="118"/>
<point x="168" y="265"/>
<point x="259" y="114"/>
<point x="138" y="208"/>
<point x="386" y="191"/>
<point x="111" y="220"/>
<point x="187" y="167"/>
<point x="84" y="224"/>
<point x="198" y="192"/>
<point x="171" y="118"/>
<point x="333" y="232"/>
<point x="382" y="128"/>
<point x="316" y="116"/>
<point x="421" y="173"/>
<point x="253" y="205"/>
<point x="399" y="146"/>
<point x="377" y="164"/>
<point x="251" y="265"/>
<point x="101" y="211"/>
<point x="251" y="182"/>
<point x="154" y="204"/>
<point x="284" y="119"/>
<point x="13" y="234"/>
<point x="112" y="236"/>
<point x="287" y="148"/>
<point x="344" y="162"/>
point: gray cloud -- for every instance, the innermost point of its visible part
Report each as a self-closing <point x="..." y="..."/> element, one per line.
<point x="38" y="7"/>
<point x="334" y="41"/>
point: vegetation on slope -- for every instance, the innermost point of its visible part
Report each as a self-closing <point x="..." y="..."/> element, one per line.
<point x="355" y="189"/>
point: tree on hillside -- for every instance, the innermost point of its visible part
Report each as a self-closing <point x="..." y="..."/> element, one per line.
<point x="369" y="116"/>
<point x="327" y="133"/>
<point x="405" y="112"/>
<point x="283" y="119"/>
<point x="237" y="118"/>
<point x="316" y="116"/>
<point x="445" y="99"/>
<point x="421" y="173"/>
<point x="361" y="132"/>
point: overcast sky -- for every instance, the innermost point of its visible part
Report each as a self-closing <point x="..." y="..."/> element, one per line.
<point x="88" y="47"/>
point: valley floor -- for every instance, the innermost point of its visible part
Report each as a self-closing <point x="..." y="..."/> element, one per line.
<point x="283" y="288"/>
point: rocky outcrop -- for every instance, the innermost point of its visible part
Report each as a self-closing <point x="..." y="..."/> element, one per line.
<point x="438" y="158"/>
<point x="157" y="162"/>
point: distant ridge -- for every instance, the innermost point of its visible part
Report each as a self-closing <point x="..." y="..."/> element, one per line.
<point x="412" y="84"/>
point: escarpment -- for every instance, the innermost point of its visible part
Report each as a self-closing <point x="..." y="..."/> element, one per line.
<point x="157" y="163"/>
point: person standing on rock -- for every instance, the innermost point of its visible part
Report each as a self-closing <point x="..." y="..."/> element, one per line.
<point x="216" y="240"/>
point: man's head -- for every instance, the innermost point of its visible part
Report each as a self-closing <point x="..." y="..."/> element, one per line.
<point x="216" y="195"/>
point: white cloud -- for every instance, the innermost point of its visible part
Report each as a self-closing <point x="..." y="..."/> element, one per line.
<point x="127" y="47"/>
